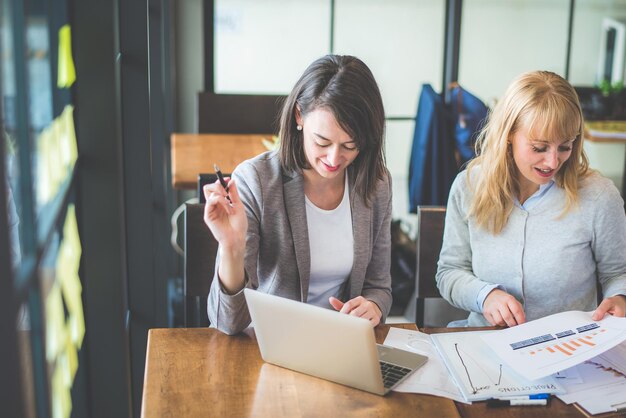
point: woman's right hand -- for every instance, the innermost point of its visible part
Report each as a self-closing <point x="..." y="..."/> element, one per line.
<point x="501" y="308"/>
<point x="227" y="222"/>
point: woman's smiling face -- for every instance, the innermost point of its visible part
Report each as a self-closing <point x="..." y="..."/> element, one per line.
<point x="328" y="148"/>
<point x="537" y="159"/>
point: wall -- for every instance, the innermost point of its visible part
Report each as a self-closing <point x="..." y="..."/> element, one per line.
<point x="402" y="42"/>
<point x="607" y="158"/>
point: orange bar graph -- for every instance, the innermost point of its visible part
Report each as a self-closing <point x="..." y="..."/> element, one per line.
<point x="562" y="350"/>
<point x="569" y="347"/>
<point x="582" y="340"/>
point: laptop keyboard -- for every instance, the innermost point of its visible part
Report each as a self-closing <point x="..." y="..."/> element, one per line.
<point x="392" y="373"/>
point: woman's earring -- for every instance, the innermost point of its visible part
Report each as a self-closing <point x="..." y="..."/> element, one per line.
<point x="299" y="127"/>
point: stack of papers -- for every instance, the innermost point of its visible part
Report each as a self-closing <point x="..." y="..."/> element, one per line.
<point x="567" y="354"/>
<point x="598" y="385"/>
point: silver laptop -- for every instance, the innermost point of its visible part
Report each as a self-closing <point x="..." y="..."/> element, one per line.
<point x="327" y="344"/>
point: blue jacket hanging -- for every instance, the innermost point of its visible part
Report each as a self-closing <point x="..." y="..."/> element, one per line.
<point x="433" y="165"/>
<point x="469" y="114"/>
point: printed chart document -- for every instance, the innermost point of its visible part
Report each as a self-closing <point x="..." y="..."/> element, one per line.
<point x="478" y="371"/>
<point x="548" y="345"/>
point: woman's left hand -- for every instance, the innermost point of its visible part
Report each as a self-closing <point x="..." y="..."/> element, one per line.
<point x="358" y="306"/>
<point x="615" y="305"/>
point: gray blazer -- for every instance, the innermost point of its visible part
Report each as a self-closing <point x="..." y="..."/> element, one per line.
<point x="277" y="259"/>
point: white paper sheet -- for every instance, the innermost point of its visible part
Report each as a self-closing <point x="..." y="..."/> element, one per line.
<point x="478" y="371"/>
<point x="545" y="346"/>
<point x="432" y="378"/>
<point x="612" y="399"/>
<point x="571" y="375"/>
<point x="596" y="381"/>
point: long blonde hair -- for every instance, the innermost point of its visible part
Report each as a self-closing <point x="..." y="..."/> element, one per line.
<point x="545" y="104"/>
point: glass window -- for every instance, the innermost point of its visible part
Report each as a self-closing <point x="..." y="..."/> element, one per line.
<point x="9" y="121"/>
<point x="263" y="47"/>
<point x="586" y="70"/>
<point x="587" y="30"/>
<point x="402" y="43"/>
<point x="27" y="113"/>
<point x="39" y="100"/>
<point x="400" y="40"/>
<point x="501" y="39"/>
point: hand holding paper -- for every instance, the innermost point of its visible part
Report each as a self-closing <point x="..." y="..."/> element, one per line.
<point x="614" y="305"/>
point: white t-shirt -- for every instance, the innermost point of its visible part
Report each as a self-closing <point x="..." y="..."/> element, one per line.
<point x="332" y="249"/>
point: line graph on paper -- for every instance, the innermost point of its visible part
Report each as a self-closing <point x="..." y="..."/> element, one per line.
<point x="468" y="362"/>
<point x="478" y="371"/>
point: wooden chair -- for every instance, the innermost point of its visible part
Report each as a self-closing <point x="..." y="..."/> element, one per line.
<point x="199" y="266"/>
<point x="192" y="155"/>
<point x="430" y="222"/>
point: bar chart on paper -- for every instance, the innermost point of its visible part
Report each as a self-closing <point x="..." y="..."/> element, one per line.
<point x="548" y="345"/>
<point x="563" y="344"/>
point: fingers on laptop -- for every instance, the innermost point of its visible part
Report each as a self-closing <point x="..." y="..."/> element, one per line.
<point x="358" y="306"/>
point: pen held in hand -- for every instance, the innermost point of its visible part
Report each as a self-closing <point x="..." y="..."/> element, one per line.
<point x="220" y="177"/>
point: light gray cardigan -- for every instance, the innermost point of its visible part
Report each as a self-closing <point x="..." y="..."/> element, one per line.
<point x="277" y="259"/>
<point x="549" y="264"/>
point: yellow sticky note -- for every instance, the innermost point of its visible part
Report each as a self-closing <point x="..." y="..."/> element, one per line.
<point x="72" y="357"/>
<point x="58" y="395"/>
<point x="55" y="323"/>
<point x="70" y="152"/>
<point x="67" y="274"/>
<point x="64" y="385"/>
<point x="70" y="249"/>
<point x="58" y="170"/>
<point x="77" y="327"/>
<point x="66" y="70"/>
<point x="70" y="231"/>
<point x="72" y="296"/>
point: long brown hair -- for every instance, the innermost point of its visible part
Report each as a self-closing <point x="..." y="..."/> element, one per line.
<point x="345" y="86"/>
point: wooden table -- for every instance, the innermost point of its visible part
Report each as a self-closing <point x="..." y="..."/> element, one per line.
<point x="193" y="154"/>
<point x="200" y="372"/>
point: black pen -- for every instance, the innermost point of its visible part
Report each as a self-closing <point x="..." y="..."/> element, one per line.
<point x="220" y="176"/>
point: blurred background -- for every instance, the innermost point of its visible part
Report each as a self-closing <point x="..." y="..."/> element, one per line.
<point x="92" y="92"/>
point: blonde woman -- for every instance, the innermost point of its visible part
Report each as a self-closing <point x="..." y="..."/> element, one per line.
<point x="530" y="229"/>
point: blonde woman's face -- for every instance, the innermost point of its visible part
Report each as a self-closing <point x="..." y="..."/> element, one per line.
<point x="538" y="160"/>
